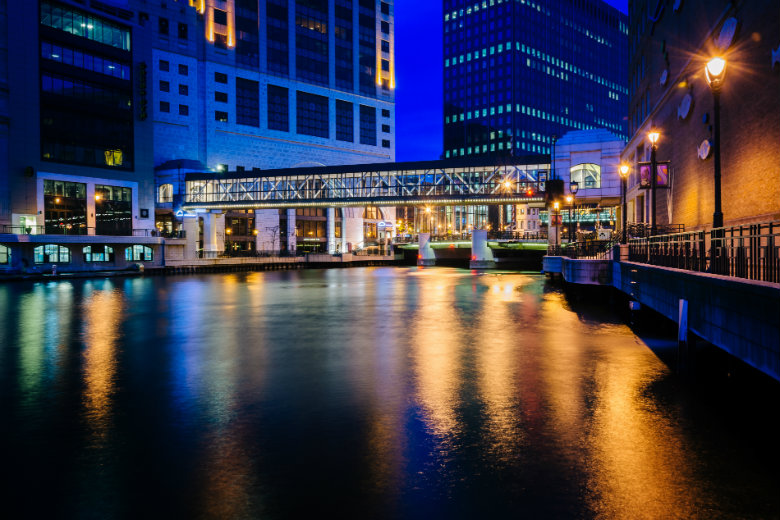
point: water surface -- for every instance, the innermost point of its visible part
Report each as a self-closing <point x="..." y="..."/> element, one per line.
<point x="365" y="392"/>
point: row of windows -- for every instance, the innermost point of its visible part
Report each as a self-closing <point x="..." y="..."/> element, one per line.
<point x="58" y="254"/>
<point x="83" y="60"/>
<point x="85" y="25"/>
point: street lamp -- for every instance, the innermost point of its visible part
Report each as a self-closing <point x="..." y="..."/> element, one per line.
<point x="574" y="187"/>
<point x="556" y="207"/>
<point x="623" y="179"/>
<point x="569" y="201"/>
<point x="715" y="71"/>
<point x="653" y="135"/>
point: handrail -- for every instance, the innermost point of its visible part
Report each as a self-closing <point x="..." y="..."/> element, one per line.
<point x="751" y="251"/>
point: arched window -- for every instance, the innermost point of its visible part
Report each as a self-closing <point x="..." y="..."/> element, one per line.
<point x="587" y="175"/>
<point x="372" y="213"/>
<point x="165" y="193"/>
<point x="51" y="254"/>
<point x="5" y="255"/>
<point x="98" y="253"/>
<point x="139" y="254"/>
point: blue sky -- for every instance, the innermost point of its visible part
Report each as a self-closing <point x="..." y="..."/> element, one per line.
<point x="418" y="94"/>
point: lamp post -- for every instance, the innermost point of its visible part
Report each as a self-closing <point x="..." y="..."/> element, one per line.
<point x="623" y="178"/>
<point x="556" y="207"/>
<point x="653" y="135"/>
<point x="574" y="187"/>
<point x="715" y="71"/>
<point x="569" y="201"/>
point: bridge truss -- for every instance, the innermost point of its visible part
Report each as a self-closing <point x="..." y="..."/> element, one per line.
<point x="391" y="184"/>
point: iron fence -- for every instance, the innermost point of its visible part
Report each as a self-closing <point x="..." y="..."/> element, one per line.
<point x="593" y="249"/>
<point x="751" y="251"/>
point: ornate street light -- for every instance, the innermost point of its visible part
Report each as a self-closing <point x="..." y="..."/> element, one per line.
<point x="623" y="178"/>
<point x="653" y="135"/>
<point x="574" y="187"/>
<point x="715" y="71"/>
<point x="570" y="201"/>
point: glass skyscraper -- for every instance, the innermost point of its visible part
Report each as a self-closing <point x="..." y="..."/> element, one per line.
<point x="518" y="72"/>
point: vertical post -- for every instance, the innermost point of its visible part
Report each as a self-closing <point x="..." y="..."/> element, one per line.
<point x="683" y="353"/>
<point x="623" y="210"/>
<point x="652" y="188"/>
<point x="331" y="229"/>
<point x="292" y="240"/>
<point x="717" y="216"/>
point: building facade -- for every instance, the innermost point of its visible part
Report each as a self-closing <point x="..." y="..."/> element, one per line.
<point x="670" y="44"/>
<point x="518" y="73"/>
<point x="110" y="102"/>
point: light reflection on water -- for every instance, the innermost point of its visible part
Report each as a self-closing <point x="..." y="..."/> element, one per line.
<point x="371" y="392"/>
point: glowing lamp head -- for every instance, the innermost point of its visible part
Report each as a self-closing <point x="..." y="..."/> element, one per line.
<point x="623" y="170"/>
<point x="529" y="192"/>
<point x="507" y="184"/>
<point x="653" y="135"/>
<point x="569" y="198"/>
<point x="556" y="205"/>
<point x="714" y="71"/>
<point x="427" y="210"/>
<point x="228" y="231"/>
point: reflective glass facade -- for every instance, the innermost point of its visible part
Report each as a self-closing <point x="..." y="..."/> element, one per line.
<point x="516" y="73"/>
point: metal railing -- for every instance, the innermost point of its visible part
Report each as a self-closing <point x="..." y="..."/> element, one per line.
<point x="592" y="249"/>
<point x="751" y="251"/>
<point x="516" y="235"/>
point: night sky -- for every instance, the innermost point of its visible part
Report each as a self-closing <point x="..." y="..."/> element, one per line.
<point x="418" y="54"/>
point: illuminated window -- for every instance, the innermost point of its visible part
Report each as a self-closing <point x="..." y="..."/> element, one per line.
<point x="165" y="193"/>
<point x="587" y="175"/>
<point x="139" y="254"/>
<point x="5" y="255"/>
<point x="372" y="213"/>
<point x="51" y="254"/>
<point x="98" y="253"/>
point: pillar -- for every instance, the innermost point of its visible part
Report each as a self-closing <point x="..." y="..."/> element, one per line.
<point x="292" y="242"/>
<point x="481" y="254"/>
<point x="425" y="254"/>
<point x="91" y="217"/>
<point x="190" y="226"/>
<point x="331" y="229"/>
<point x="268" y="232"/>
<point x="210" y="246"/>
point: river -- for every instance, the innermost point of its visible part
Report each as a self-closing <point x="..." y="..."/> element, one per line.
<point x="365" y="393"/>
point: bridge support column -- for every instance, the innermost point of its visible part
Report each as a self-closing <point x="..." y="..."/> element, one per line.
<point x="292" y="241"/>
<point x="481" y="254"/>
<point x="331" y="229"/>
<point x="425" y="255"/>
<point x="212" y="234"/>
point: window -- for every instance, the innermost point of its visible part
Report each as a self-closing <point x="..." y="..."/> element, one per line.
<point x="386" y="129"/>
<point x="183" y="70"/>
<point x="278" y="108"/>
<point x="385" y="112"/>
<point x="247" y="102"/>
<point x="165" y="66"/>
<point x="113" y="210"/>
<point x="165" y="193"/>
<point x="588" y="175"/>
<point x="5" y="255"/>
<point x="384" y="7"/>
<point x="385" y="46"/>
<point x="182" y="31"/>
<point x="220" y="97"/>
<point x="163" y="26"/>
<point x="386" y="65"/>
<point x="98" y="253"/>
<point x="385" y="143"/>
<point x="184" y="110"/>
<point x="385" y="28"/>
<point x="220" y="16"/>
<point x="367" y="125"/>
<point x="84" y="25"/>
<point x="372" y="213"/>
<point x="51" y="254"/>
<point x="139" y="254"/>
<point x="165" y="106"/>
<point x="345" y="121"/>
<point x="183" y="90"/>
<point x="220" y="77"/>
<point x="222" y="117"/>
<point x="312" y="115"/>
<point x="165" y="86"/>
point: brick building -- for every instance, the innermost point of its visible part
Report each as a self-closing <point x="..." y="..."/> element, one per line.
<point x="670" y="42"/>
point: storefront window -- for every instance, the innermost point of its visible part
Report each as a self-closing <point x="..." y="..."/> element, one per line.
<point x="65" y="207"/>
<point x="98" y="253"/>
<point x="139" y="254"/>
<point x="51" y="254"/>
<point x="113" y="210"/>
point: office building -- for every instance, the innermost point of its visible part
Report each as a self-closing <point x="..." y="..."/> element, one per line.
<point x="519" y="73"/>
<point x="670" y="44"/>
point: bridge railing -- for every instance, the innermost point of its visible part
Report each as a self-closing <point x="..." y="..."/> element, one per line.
<point x="751" y="251"/>
<point x="592" y="249"/>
